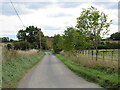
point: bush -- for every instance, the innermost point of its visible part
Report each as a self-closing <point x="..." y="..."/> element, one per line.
<point x="109" y="45"/>
<point x="113" y="45"/>
<point x="9" y="46"/>
<point x="22" y="45"/>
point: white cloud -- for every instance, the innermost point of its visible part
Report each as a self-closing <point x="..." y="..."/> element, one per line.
<point x="52" y="16"/>
<point x="61" y="0"/>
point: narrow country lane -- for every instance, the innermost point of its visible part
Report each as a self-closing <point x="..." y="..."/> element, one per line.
<point x="52" y="73"/>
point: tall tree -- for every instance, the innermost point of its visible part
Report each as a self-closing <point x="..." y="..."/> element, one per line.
<point x="93" y="21"/>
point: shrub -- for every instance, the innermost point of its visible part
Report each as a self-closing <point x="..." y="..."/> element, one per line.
<point x="22" y="45"/>
<point x="9" y="46"/>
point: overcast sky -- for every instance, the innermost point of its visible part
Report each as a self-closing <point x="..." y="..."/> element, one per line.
<point x="52" y="16"/>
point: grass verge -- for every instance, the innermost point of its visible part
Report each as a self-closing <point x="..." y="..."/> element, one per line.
<point x="100" y="77"/>
<point x="13" y="71"/>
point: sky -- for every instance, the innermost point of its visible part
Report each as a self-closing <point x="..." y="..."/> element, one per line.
<point x="52" y="16"/>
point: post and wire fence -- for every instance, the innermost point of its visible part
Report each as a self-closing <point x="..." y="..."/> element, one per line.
<point x="103" y="54"/>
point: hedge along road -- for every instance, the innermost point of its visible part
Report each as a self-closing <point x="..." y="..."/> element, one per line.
<point x="52" y="73"/>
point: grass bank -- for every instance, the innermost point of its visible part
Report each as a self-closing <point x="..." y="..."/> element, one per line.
<point x="14" y="70"/>
<point x="100" y="77"/>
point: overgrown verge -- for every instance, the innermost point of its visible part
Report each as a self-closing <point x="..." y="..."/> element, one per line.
<point x="8" y="55"/>
<point x="14" y="70"/>
<point x="109" y="66"/>
<point x="101" y="77"/>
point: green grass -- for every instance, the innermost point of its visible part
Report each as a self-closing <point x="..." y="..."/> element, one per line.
<point x="0" y="75"/>
<point x="100" y="77"/>
<point x="13" y="71"/>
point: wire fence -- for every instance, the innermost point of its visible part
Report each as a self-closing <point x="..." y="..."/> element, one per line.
<point x="103" y="54"/>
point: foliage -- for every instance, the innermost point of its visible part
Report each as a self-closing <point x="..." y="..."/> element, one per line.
<point x="75" y="40"/>
<point x="34" y="36"/>
<point x="9" y="46"/>
<point x="95" y="23"/>
<point x="71" y="40"/>
<point x="57" y="43"/>
<point x="90" y="27"/>
<point x="21" y="45"/>
<point x="21" y="35"/>
<point x="4" y="39"/>
<point x="115" y="36"/>
<point x="109" y="45"/>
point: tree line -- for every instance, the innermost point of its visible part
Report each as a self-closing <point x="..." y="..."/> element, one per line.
<point x="30" y="38"/>
<point x="88" y="33"/>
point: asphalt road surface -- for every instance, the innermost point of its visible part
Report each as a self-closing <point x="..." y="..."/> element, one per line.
<point x="52" y="73"/>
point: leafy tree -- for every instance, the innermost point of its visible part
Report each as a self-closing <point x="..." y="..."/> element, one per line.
<point x="32" y="33"/>
<point x="34" y="36"/>
<point x="11" y="40"/>
<point x="115" y="36"/>
<point x="68" y="36"/>
<point x="57" y="43"/>
<point x="93" y="21"/>
<point x="75" y="40"/>
<point x="21" y="35"/>
<point x="5" y="39"/>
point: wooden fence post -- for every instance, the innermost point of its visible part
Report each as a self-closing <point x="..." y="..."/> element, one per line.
<point x="103" y="55"/>
<point x="92" y="54"/>
<point x="112" y="55"/>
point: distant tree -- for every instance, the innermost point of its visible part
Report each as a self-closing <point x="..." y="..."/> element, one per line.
<point x="95" y="22"/>
<point x="115" y="36"/>
<point x="49" y="42"/>
<point x="5" y="39"/>
<point x="34" y="36"/>
<point x="11" y="40"/>
<point x="57" y="43"/>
